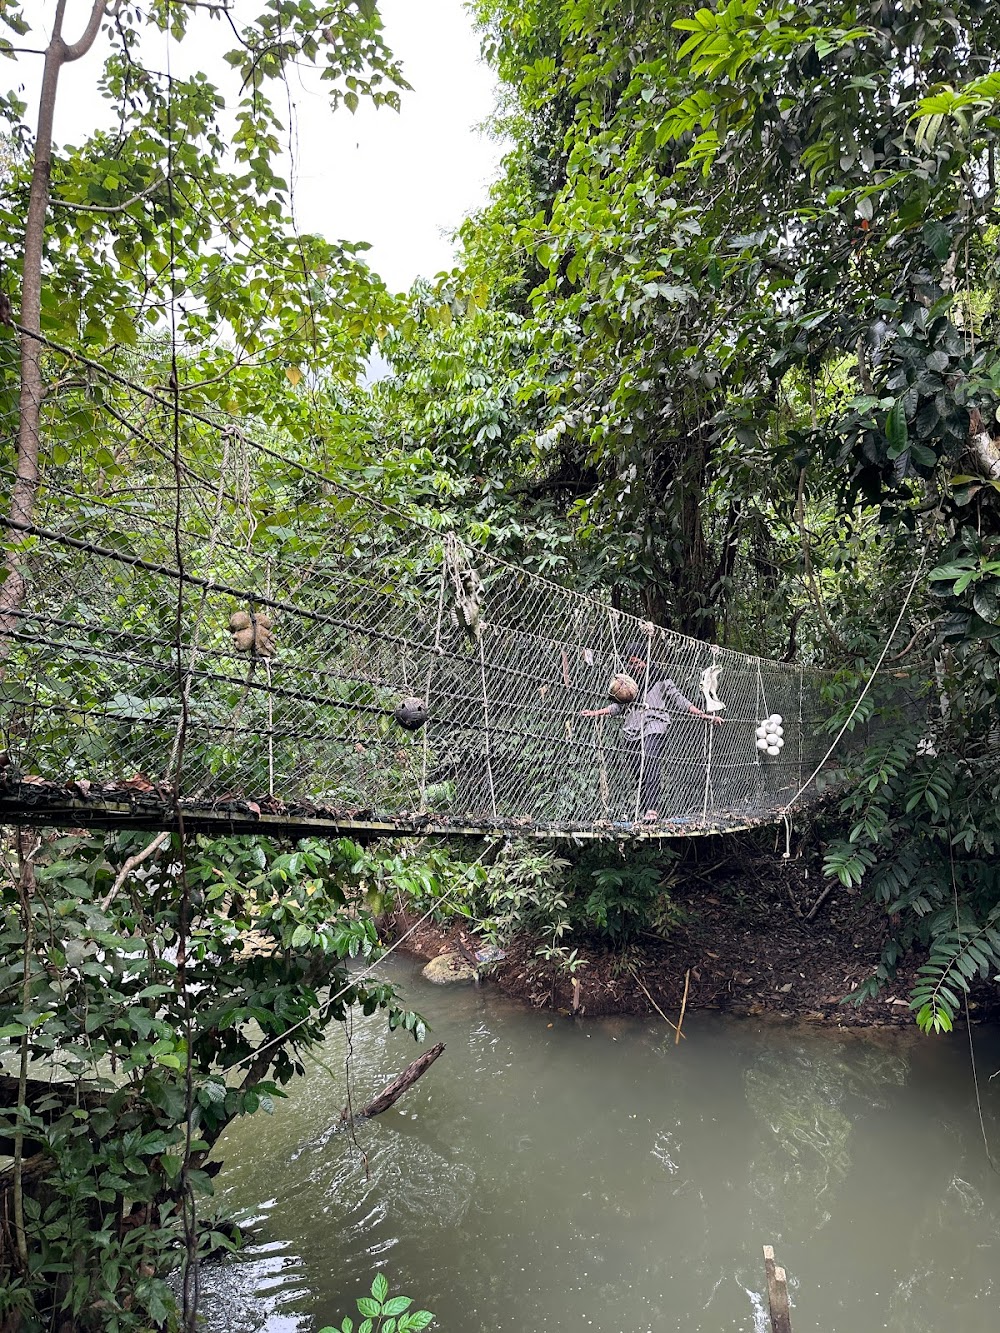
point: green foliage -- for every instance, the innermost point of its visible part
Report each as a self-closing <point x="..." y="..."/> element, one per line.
<point x="180" y="203"/>
<point x="384" y="1314"/>
<point x="269" y="932"/>
<point x="751" y="255"/>
<point x="615" y="895"/>
<point x="155" y="998"/>
<point x="93" y="991"/>
<point x="723" y="345"/>
<point x="525" y="894"/>
<point x="957" y="956"/>
<point x="595" y="891"/>
<point x="522" y="889"/>
<point x="923" y="832"/>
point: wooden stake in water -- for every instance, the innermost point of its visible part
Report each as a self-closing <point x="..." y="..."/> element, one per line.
<point x="680" y="1020"/>
<point x="777" y="1293"/>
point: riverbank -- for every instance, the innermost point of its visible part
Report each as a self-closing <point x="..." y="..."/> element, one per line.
<point x="775" y="940"/>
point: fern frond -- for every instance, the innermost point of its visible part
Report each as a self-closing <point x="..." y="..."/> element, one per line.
<point x="958" y="955"/>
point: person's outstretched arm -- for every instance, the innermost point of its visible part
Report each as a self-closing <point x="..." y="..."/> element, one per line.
<point x="612" y="710"/>
<point x="683" y="705"/>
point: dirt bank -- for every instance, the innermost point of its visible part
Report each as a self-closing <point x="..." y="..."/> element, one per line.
<point x="745" y="948"/>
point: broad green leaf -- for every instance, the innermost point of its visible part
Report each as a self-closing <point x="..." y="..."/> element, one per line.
<point x="938" y="238"/>
<point x="398" y="1305"/>
<point x="986" y="601"/>
<point x="896" y="430"/>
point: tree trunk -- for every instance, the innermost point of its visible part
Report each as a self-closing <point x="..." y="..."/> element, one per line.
<point x="22" y="500"/>
<point x="985" y="449"/>
<point x="690" y="577"/>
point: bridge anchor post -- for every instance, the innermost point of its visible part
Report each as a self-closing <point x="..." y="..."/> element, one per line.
<point x="777" y="1293"/>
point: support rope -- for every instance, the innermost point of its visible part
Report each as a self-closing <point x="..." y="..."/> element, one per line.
<point x="868" y="684"/>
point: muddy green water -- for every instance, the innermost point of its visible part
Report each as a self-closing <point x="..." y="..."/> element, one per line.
<point x="548" y="1176"/>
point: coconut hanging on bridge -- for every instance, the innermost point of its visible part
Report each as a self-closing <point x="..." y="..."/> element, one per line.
<point x="410" y="713"/>
<point x="623" y="689"/>
<point x="252" y="633"/>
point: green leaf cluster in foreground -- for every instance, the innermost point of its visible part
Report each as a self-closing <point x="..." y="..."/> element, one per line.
<point x="384" y="1314"/>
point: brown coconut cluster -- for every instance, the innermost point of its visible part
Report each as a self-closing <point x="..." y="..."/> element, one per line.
<point x="252" y="633"/>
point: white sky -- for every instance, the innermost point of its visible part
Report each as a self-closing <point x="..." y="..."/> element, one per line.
<point x="401" y="182"/>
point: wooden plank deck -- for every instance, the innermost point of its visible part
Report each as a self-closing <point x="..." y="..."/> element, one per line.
<point x="40" y="804"/>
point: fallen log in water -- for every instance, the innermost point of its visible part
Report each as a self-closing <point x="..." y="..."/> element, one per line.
<point x="393" y="1091"/>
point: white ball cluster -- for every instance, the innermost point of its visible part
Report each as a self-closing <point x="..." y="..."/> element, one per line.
<point x="771" y="735"/>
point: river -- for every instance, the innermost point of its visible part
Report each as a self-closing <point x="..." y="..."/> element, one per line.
<point x="549" y="1175"/>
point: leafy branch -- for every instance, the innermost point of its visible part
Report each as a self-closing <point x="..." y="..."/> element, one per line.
<point x="384" y="1314"/>
<point x="957" y="957"/>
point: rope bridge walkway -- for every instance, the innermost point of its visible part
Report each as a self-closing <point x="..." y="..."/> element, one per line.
<point x="196" y="619"/>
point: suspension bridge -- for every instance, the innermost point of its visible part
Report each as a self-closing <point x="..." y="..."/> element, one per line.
<point x="199" y="625"/>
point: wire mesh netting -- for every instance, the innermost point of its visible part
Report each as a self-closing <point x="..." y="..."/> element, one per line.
<point x="204" y="609"/>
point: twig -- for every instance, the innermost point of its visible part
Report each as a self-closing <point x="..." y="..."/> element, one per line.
<point x="658" y="1009"/>
<point x="680" y="1020"/>
<point x="107" y="208"/>
<point x="917" y="633"/>
<point x="819" y="902"/>
<point x="133" y="861"/>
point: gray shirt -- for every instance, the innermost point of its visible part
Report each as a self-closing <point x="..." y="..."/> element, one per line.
<point x="652" y="716"/>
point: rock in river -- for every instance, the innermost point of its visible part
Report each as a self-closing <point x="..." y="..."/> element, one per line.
<point x="448" y="967"/>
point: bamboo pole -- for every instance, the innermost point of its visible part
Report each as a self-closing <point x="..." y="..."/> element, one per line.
<point x="680" y="1020"/>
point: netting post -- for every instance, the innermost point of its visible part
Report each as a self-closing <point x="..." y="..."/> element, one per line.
<point x="600" y="732"/>
<point x="708" y="755"/>
<point x="761" y="711"/>
<point x="435" y="657"/>
<point x="486" y="721"/>
<point x="801" y="686"/>
<point x="642" y="727"/>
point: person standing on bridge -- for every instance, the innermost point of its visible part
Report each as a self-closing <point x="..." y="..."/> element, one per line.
<point x="647" y="724"/>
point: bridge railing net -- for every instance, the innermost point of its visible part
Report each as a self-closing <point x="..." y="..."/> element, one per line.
<point x="152" y="528"/>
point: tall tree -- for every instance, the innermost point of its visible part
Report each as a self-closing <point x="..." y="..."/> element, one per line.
<point x="748" y="250"/>
<point x="164" y="248"/>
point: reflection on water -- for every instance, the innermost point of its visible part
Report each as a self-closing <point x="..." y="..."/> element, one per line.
<point x="808" y="1097"/>
<point x="547" y="1175"/>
